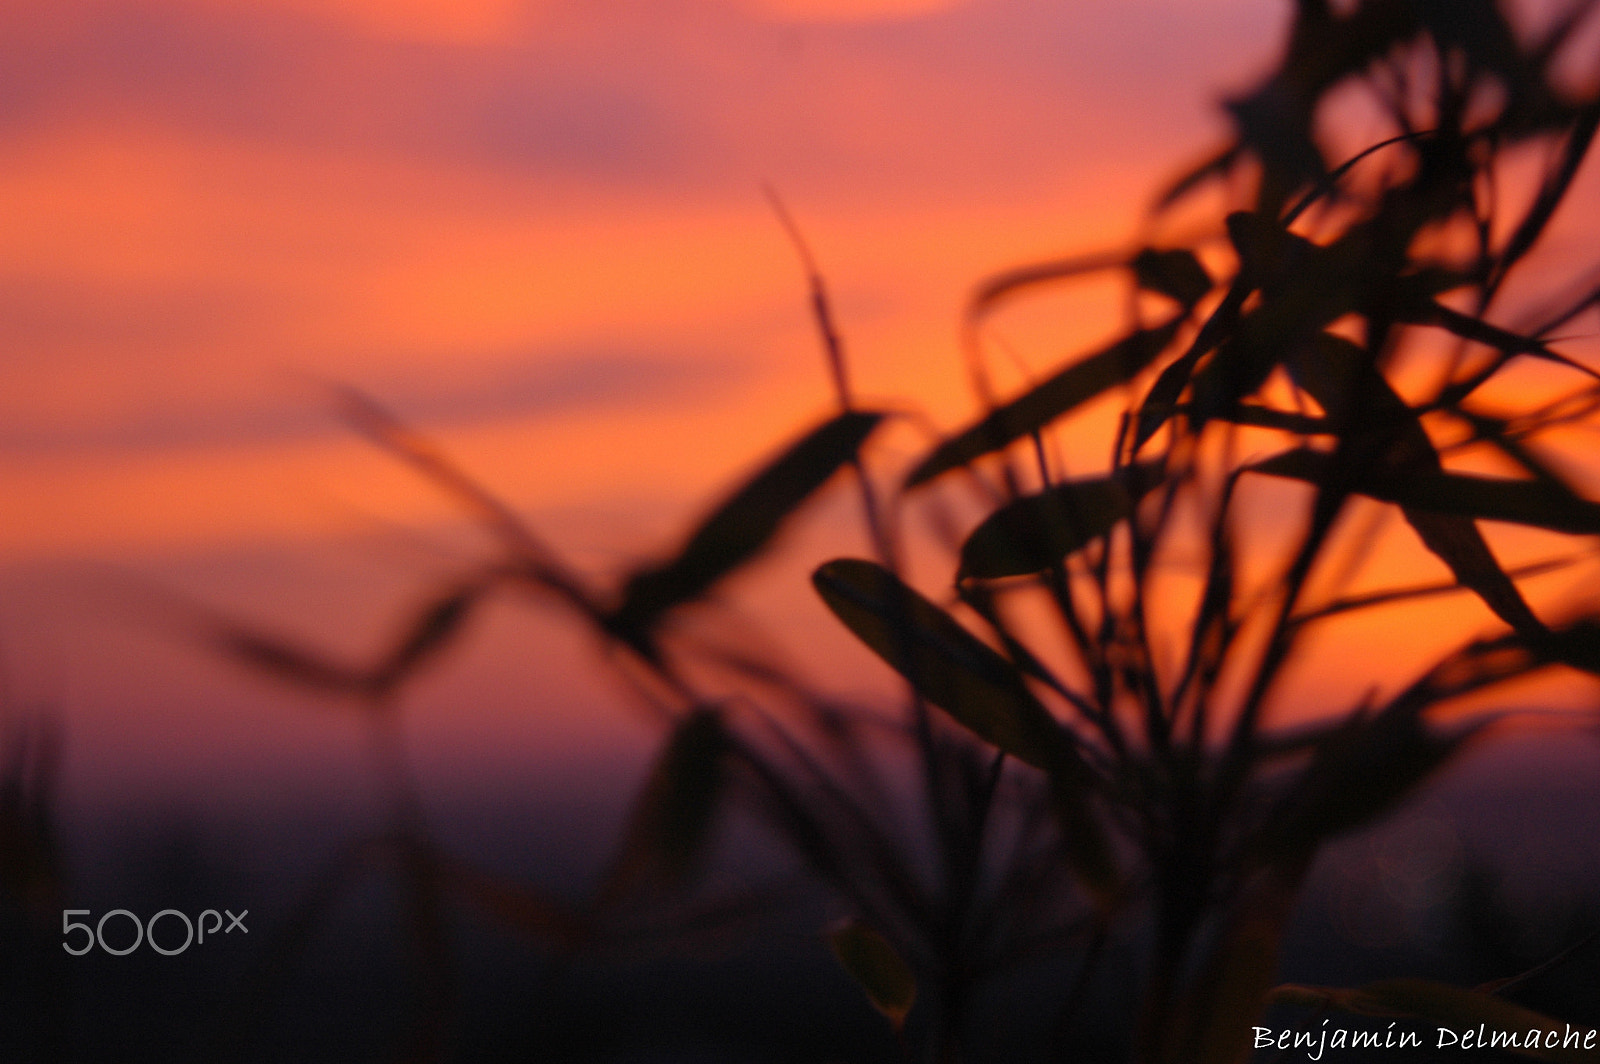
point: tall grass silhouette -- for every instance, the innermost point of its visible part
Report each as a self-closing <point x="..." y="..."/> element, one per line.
<point x="1095" y="697"/>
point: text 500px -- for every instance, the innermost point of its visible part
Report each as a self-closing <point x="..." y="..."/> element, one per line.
<point x="194" y="931"/>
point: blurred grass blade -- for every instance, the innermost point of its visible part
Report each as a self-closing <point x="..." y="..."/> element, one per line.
<point x="1216" y="164"/>
<point x="1001" y="285"/>
<point x="1275" y="120"/>
<point x="875" y="966"/>
<point x="435" y="626"/>
<point x="1175" y="273"/>
<point x="1552" y="191"/>
<point x="1045" y="402"/>
<point x="1267" y="417"/>
<point x="1374" y="419"/>
<point x="1508" y="343"/>
<point x="738" y="529"/>
<point x="1357" y="774"/>
<point x="1450" y="1007"/>
<point x="539" y="561"/>
<point x="288" y="662"/>
<point x="1577" y="645"/>
<point x="1457" y="541"/>
<point x="31" y="865"/>
<point x="438" y="622"/>
<point x="1162" y="400"/>
<point x="1418" y="591"/>
<point x="674" y="813"/>
<point x="1539" y="503"/>
<point x="1036" y="532"/>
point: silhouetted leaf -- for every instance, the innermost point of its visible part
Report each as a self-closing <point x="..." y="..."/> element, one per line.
<point x="1380" y="429"/>
<point x="1175" y="273"/>
<point x="1453" y="1008"/>
<point x="947" y="664"/>
<point x="1457" y="541"/>
<point x="960" y="674"/>
<point x="1576" y="645"/>
<point x="1036" y="532"/>
<point x="1357" y="773"/>
<point x="738" y="529"/>
<point x="1162" y="400"/>
<point x="1236" y="370"/>
<point x="1525" y="502"/>
<point x="673" y="815"/>
<point x="1303" y="288"/>
<point x="875" y="966"/>
<point x="1047" y="401"/>
<point x="1507" y="342"/>
<point x="1269" y="254"/>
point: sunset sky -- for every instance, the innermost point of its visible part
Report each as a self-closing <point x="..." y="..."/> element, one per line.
<point x="534" y="228"/>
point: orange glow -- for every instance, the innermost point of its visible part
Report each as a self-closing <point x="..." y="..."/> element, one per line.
<point x="537" y="231"/>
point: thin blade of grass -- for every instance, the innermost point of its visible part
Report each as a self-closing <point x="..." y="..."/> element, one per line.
<point x="741" y="527"/>
<point x="1524" y="502"/>
<point x="1507" y="342"/>
<point x="538" y="560"/>
<point x="287" y="661"/>
<point x="435" y="626"/>
<point x="1376" y="425"/>
<point x="1053" y="398"/>
<point x="1551" y="193"/>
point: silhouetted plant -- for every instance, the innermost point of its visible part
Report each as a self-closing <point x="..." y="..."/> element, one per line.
<point x="31" y="879"/>
<point x="1340" y="337"/>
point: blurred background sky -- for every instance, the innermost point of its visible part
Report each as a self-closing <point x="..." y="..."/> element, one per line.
<point x="535" y="229"/>
<point x="538" y="223"/>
